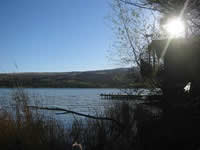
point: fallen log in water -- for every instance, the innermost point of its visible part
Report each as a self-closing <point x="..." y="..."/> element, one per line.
<point x="65" y="111"/>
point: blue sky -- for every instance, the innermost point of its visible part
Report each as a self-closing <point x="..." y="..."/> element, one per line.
<point x="54" y="35"/>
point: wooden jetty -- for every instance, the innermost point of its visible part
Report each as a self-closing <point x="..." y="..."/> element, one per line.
<point x="130" y="97"/>
<point x="122" y="96"/>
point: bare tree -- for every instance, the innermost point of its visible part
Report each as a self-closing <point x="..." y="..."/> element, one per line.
<point x="188" y="10"/>
<point x="135" y="28"/>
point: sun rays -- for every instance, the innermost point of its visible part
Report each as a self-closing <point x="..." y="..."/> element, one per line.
<point x="175" y="27"/>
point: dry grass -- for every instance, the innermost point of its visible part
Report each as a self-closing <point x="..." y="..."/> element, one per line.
<point x="24" y="128"/>
<point x="29" y="130"/>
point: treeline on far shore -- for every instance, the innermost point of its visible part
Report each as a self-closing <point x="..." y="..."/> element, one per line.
<point x="115" y="78"/>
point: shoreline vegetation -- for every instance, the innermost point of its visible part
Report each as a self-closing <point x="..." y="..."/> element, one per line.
<point x="126" y="126"/>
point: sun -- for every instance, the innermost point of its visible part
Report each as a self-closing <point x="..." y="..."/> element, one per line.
<point x="175" y="27"/>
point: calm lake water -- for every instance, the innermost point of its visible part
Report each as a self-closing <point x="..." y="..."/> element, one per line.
<point x="85" y="101"/>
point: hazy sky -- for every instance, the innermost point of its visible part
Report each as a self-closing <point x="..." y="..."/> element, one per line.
<point x="54" y="35"/>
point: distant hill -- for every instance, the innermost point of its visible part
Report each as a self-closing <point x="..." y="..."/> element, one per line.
<point x="113" y="78"/>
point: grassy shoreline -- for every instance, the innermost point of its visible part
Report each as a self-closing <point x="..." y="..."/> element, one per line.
<point x="140" y="129"/>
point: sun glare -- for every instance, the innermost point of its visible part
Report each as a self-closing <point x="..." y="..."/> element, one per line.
<point x="175" y="27"/>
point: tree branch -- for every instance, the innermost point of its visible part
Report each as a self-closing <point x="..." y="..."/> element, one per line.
<point x="79" y="114"/>
<point x="138" y="5"/>
<point x="128" y="35"/>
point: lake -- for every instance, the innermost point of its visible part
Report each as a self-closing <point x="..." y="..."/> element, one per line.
<point x="83" y="100"/>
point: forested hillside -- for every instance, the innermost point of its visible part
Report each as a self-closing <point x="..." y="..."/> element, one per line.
<point x="113" y="78"/>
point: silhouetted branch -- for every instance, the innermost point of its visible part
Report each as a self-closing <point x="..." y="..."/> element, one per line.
<point x="138" y="5"/>
<point x="79" y="114"/>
